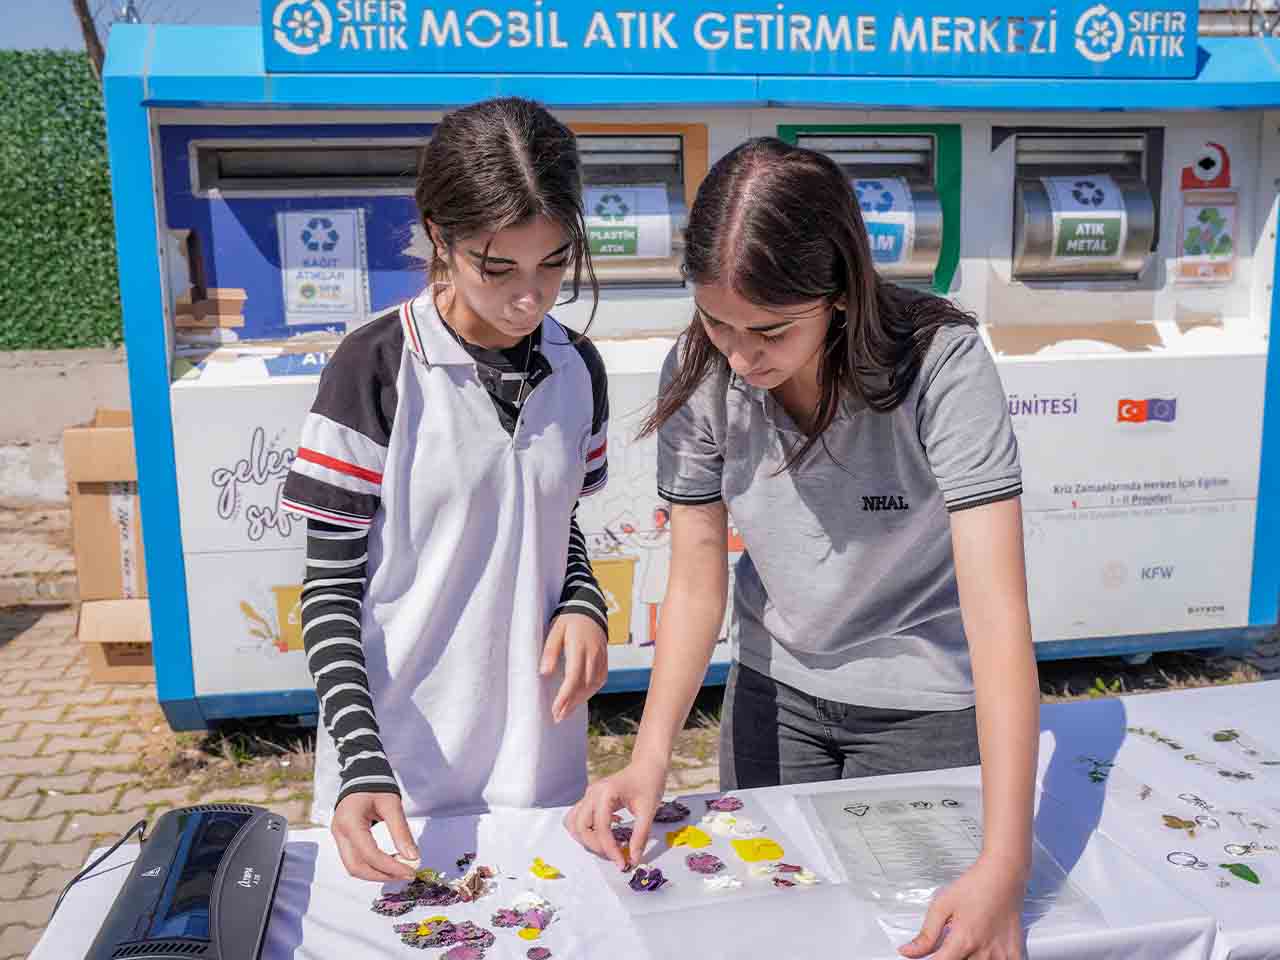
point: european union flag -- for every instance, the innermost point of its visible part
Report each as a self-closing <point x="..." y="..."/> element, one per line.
<point x="1164" y="410"/>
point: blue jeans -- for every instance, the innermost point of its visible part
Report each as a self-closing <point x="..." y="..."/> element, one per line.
<point x="772" y="734"/>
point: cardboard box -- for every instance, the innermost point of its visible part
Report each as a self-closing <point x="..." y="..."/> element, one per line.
<point x="106" y="522"/>
<point x="117" y="640"/>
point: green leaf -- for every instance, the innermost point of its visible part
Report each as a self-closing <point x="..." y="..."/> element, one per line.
<point x="1226" y="736"/>
<point x="1243" y="871"/>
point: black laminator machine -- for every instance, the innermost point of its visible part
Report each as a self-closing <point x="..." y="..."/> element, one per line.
<point x="201" y="887"/>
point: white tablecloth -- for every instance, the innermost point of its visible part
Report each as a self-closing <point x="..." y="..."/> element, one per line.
<point x="1248" y="917"/>
<point x="1113" y="849"/>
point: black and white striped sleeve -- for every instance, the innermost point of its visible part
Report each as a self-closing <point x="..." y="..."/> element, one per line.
<point x="336" y="483"/>
<point x="332" y="600"/>
<point x="581" y="593"/>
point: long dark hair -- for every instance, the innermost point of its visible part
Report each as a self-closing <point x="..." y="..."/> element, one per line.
<point x="500" y="163"/>
<point x="778" y="224"/>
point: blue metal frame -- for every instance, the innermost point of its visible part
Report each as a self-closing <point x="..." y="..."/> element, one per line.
<point x="141" y="299"/>
<point x="1233" y="74"/>
<point x="152" y="66"/>
<point x="1264" y="590"/>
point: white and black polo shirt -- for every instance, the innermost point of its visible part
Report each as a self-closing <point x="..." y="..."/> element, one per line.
<point x="442" y="541"/>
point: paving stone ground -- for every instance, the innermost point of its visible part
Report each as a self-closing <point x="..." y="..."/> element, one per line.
<point x="71" y="770"/>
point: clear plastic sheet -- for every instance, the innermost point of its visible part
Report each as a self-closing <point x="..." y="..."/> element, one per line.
<point x="743" y="879"/>
<point x="897" y="848"/>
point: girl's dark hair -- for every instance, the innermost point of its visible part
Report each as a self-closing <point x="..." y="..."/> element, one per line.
<point x="500" y="163"/>
<point x="779" y="225"/>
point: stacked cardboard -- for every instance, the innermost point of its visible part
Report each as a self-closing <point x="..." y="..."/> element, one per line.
<point x="214" y="307"/>
<point x="106" y="527"/>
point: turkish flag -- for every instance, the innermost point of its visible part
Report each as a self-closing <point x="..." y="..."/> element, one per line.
<point x="1132" y="411"/>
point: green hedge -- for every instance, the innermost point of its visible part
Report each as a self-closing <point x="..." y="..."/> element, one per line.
<point x="57" y="239"/>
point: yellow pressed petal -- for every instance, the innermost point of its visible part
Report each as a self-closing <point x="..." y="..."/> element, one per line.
<point x="544" y="870"/>
<point x="530" y="933"/>
<point x="688" y="837"/>
<point x="757" y="849"/>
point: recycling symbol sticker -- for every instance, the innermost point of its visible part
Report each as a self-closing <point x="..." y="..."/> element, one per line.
<point x="612" y="207"/>
<point x="1088" y="194"/>
<point x="320" y="235"/>
<point x="872" y="196"/>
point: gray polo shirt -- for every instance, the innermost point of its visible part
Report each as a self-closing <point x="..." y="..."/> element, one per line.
<point x="847" y="589"/>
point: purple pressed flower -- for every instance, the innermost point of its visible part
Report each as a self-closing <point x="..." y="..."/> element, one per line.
<point x="725" y="804"/>
<point x="783" y="882"/>
<point x="538" y="953"/>
<point x="392" y="908"/>
<point x="468" y="932"/>
<point x="538" y="919"/>
<point x="673" y="811"/>
<point x="789" y="868"/>
<point x="464" y="951"/>
<point x="646" y="879"/>
<point x="622" y="832"/>
<point x="506" y="917"/>
<point x="704" y="863"/>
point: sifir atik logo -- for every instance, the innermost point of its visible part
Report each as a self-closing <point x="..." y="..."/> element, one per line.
<point x="1154" y="410"/>
<point x="876" y="504"/>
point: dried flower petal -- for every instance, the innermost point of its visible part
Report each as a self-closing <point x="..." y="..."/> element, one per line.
<point x="506" y="917"/>
<point x="468" y="931"/>
<point x="622" y="832"/>
<point x="392" y="908"/>
<point x="646" y="879"/>
<point x="465" y="861"/>
<point x="537" y="918"/>
<point x="721" y="883"/>
<point x="704" y="863"/>
<point x="783" y="882"/>
<point x="543" y="870"/>
<point x="529" y="933"/>
<point x="474" y="885"/>
<point x="538" y="953"/>
<point x="688" y="837"/>
<point x="725" y="804"/>
<point x="529" y="901"/>
<point x="464" y="951"/>
<point x="724" y="824"/>
<point x="758" y="849"/>
<point x="673" y="811"/>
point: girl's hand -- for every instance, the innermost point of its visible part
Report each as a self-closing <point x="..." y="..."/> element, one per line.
<point x="638" y="787"/>
<point x="586" y="660"/>
<point x="981" y="914"/>
<point x="351" y="827"/>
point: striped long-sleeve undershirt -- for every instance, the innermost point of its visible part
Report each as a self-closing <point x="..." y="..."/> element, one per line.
<point x="332" y="599"/>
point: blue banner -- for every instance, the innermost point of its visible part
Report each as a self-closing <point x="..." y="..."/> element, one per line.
<point x="1069" y="39"/>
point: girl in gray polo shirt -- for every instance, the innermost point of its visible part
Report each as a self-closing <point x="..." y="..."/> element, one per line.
<point x="858" y="434"/>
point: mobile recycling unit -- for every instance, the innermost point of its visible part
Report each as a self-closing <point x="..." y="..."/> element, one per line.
<point x="1097" y="182"/>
